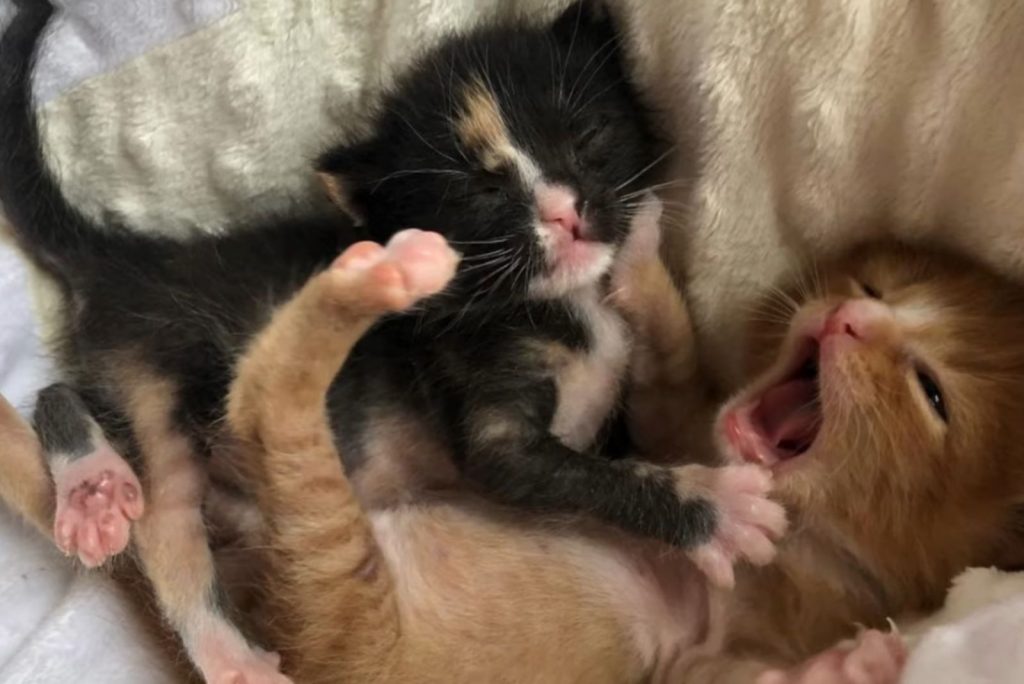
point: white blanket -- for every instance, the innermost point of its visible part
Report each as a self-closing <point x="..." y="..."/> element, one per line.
<point x="198" y="111"/>
<point x="58" y="624"/>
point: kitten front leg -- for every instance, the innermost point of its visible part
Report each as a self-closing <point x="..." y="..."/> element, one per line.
<point x="664" y="379"/>
<point x="98" y="495"/>
<point x="717" y="515"/>
<point x="333" y="604"/>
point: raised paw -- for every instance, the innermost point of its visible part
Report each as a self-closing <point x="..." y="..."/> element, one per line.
<point x="873" y="658"/>
<point x="98" y="496"/>
<point x="747" y="522"/>
<point x="414" y="264"/>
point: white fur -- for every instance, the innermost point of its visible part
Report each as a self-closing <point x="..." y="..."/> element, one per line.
<point x="589" y="387"/>
<point x="565" y="280"/>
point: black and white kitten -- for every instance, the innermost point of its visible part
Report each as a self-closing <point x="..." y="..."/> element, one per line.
<point x="523" y="146"/>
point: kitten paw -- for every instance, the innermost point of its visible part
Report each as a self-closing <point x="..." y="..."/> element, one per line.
<point x="640" y="248"/>
<point x="748" y="523"/>
<point x="644" y="240"/>
<point x="98" y="497"/>
<point x="874" y="658"/>
<point x="227" y="662"/>
<point x="414" y="264"/>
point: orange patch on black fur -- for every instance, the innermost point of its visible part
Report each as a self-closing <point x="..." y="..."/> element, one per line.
<point x="338" y="193"/>
<point x="481" y="128"/>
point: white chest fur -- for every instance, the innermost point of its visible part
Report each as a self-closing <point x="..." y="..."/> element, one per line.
<point x="589" y="385"/>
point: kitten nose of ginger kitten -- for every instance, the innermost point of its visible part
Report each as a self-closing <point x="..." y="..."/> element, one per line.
<point x="860" y="320"/>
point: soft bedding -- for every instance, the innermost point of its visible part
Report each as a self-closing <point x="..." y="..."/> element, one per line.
<point x="174" y="112"/>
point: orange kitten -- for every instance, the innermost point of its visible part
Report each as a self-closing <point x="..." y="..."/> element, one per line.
<point x="890" y="501"/>
<point x="887" y="405"/>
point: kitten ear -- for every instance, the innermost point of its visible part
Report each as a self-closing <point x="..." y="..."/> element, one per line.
<point x="339" y="171"/>
<point x="583" y="14"/>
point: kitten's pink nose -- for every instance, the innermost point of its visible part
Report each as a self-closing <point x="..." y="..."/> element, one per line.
<point x="860" y="319"/>
<point x="556" y="206"/>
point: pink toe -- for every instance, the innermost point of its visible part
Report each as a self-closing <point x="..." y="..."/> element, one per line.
<point x="132" y="504"/>
<point x="105" y="483"/>
<point x="435" y="238"/>
<point x="749" y="479"/>
<point x="360" y="256"/>
<point x="64" y="535"/>
<point x="713" y="562"/>
<point x="762" y="513"/>
<point x="755" y="546"/>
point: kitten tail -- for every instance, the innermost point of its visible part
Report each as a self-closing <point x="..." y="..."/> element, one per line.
<point x="51" y="232"/>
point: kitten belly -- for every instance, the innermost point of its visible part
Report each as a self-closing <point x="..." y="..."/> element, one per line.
<point x="589" y="386"/>
<point x="401" y="458"/>
<point x="540" y="604"/>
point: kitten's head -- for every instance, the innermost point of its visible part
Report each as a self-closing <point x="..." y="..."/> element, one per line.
<point x="889" y="406"/>
<point x="524" y="146"/>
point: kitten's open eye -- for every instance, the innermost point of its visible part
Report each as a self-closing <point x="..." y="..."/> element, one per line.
<point x="932" y="393"/>
<point x="868" y="290"/>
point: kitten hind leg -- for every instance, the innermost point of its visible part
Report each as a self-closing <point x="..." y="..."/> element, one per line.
<point x="98" y="496"/>
<point x="24" y="485"/>
<point x="172" y="543"/>
<point x="337" y="611"/>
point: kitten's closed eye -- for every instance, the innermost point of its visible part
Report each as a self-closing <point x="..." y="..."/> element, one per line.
<point x="868" y="291"/>
<point x="492" y="184"/>
<point x="591" y="133"/>
<point x="932" y="393"/>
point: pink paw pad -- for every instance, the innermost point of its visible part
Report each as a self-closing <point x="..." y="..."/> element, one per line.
<point x="874" y="658"/>
<point x="748" y="523"/>
<point x="413" y="265"/>
<point x="98" y="497"/>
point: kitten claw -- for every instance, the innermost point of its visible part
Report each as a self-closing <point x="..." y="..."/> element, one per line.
<point x="748" y="522"/>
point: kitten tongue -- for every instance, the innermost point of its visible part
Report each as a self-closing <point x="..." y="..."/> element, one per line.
<point x="789" y="415"/>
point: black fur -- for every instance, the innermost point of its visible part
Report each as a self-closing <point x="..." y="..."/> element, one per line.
<point x="565" y="100"/>
<point x="187" y="308"/>
<point x="63" y="422"/>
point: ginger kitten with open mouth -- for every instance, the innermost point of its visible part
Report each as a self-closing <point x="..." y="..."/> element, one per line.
<point x="887" y="400"/>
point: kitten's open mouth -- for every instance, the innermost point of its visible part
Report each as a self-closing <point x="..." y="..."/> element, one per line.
<point x="782" y="421"/>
